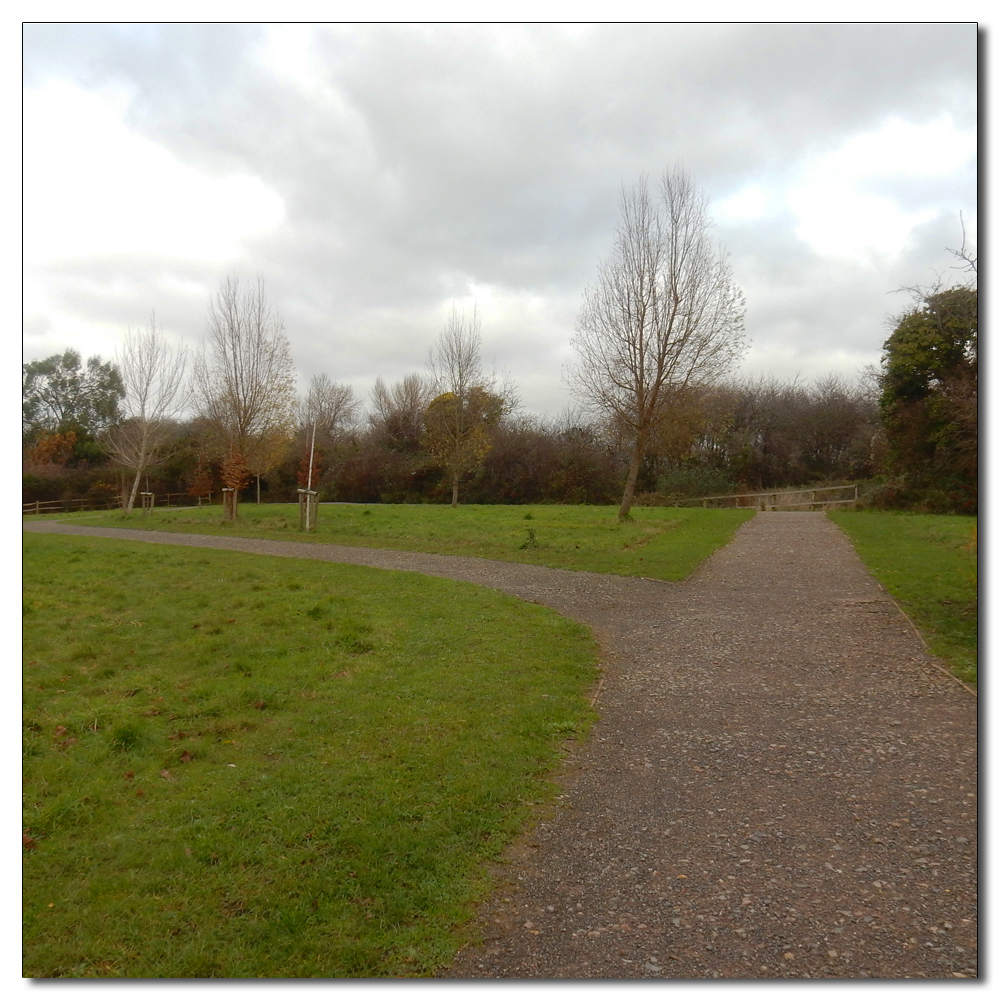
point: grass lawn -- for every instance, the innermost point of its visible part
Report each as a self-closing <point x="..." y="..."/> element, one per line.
<point x="244" y="766"/>
<point x="664" y="543"/>
<point x="929" y="563"/>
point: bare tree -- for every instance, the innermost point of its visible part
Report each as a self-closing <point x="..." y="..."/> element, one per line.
<point x="664" y="318"/>
<point x="331" y="406"/>
<point x="966" y="254"/>
<point x="468" y="401"/>
<point x="397" y="411"/>
<point x="245" y="379"/>
<point x="326" y="413"/>
<point x="152" y="374"/>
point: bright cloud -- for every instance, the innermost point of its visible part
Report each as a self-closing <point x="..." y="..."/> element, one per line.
<point x="837" y="220"/>
<point x="837" y="213"/>
<point x="902" y="148"/>
<point x="745" y="205"/>
<point x="93" y="187"/>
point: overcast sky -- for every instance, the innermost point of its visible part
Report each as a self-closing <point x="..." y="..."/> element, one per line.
<point x="374" y="176"/>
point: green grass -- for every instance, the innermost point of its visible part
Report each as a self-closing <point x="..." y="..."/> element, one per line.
<point x="664" y="543"/>
<point x="929" y="563"/>
<point x="244" y="766"/>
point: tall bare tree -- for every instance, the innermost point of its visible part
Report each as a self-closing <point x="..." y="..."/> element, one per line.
<point x="664" y="318"/>
<point x="245" y="380"/>
<point x="155" y="395"/>
<point x="331" y="406"/>
<point x="468" y="401"/>
<point x="397" y="411"/>
<point x="328" y="411"/>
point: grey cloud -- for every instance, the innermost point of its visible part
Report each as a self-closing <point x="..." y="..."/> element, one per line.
<point x="427" y="158"/>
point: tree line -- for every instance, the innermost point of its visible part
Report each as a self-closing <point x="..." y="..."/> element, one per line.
<point x="659" y="416"/>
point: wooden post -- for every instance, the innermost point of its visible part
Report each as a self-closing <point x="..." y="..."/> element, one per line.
<point x="307" y="510"/>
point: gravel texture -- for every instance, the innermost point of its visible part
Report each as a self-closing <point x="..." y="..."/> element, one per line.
<point x="782" y="782"/>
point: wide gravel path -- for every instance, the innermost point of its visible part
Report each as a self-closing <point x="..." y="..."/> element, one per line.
<point x="782" y="782"/>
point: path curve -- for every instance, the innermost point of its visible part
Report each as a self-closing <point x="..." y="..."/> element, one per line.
<point x="781" y="783"/>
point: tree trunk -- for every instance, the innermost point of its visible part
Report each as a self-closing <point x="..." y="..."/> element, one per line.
<point x="454" y="489"/>
<point x="135" y="490"/>
<point x="633" y="476"/>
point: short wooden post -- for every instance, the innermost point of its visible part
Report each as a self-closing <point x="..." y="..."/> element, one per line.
<point x="307" y="510"/>
<point x="147" y="503"/>
<point x="229" y="501"/>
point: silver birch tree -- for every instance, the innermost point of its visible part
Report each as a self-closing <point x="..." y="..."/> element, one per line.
<point x="155" y="395"/>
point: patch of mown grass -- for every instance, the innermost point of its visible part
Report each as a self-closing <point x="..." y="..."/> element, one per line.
<point x="244" y="766"/>
<point x="664" y="543"/>
<point x="929" y="563"/>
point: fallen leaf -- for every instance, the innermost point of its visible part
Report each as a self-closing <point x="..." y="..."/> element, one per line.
<point x="166" y="774"/>
<point x="129" y="775"/>
<point x="59" y="731"/>
<point x="28" y="843"/>
<point x="259" y="704"/>
<point x="185" y="757"/>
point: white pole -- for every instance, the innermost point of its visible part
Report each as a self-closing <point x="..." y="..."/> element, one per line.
<point x="312" y="445"/>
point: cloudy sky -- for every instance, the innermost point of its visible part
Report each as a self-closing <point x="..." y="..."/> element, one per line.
<point x="377" y="175"/>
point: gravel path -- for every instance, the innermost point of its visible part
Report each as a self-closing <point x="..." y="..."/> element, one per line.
<point x="782" y="782"/>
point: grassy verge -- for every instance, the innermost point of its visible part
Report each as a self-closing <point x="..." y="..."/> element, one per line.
<point x="665" y="543"/>
<point x="928" y="562"/>
<point x="242" y="766"/>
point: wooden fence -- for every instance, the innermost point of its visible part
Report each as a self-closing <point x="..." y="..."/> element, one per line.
<point x="820" y="498"/>
<point x="83" y="503"/>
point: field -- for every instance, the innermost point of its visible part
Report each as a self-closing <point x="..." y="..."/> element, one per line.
<point x="244" y="766"/>
<point x="929" y="563"/>
<point x="665" y="543"/>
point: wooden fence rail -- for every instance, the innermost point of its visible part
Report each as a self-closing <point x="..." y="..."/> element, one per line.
<point x="84" y="503"/>
<point x="819" y="498"/>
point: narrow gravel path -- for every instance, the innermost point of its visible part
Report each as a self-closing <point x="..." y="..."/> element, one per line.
<point x="781" y="784"/>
